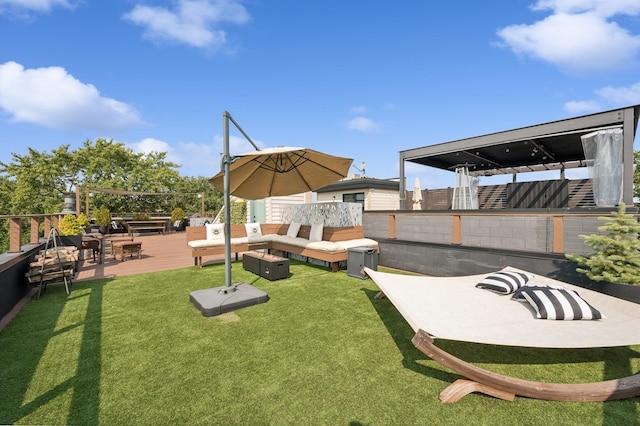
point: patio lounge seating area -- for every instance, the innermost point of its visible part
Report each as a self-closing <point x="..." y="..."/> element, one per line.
<point x="330" y="244"/>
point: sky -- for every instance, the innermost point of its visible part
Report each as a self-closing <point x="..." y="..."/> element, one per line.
<point x="362" y="79"/>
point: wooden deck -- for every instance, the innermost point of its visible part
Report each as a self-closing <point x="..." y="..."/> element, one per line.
<point x="159" y="253"/>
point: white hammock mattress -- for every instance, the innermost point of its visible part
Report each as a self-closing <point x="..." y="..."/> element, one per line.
<point x="453" y="308"/>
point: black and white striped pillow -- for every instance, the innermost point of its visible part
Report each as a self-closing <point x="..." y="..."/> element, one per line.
<point x="556" y="303"/>
<point x="504" y="282"/>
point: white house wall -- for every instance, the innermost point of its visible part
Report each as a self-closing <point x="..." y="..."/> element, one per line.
<point x="374" y="199"/>
<point x="274" y="206"/>
<point x="380" y="199"/>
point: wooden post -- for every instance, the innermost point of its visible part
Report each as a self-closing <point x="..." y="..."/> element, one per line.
<point x="392" y="226"/>
<point x="457" y="234"/>
<point x="47" y="225"/>
<point x="35" y="231"/>
<point x="558" y="234"/>
<point x="14" y="235"/>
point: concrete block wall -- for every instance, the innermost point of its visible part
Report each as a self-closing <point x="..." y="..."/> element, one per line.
<point x="576" y="226"/>
<point x="511" y="233"/>
<point x="428" y="229"/>
<point x="375" y="226"/>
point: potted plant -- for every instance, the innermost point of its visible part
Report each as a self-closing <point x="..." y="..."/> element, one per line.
<point x="84" y="222"/>
<point x="103" y="218"/>
<point x="177" y="219"/>
<point x="70" y="232"/>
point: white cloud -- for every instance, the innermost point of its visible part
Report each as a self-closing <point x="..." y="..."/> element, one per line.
<point x="148" y="145"/>
<point x="53" y="98"/>
<point x="193" y="159"/>
<point x="605" y="8"/>
<point x="358" y="110"/>
<point x="196" y="159"/>
<point x="582" y="107"/>
<point x="607" y="98"/>
<point x="192" y="22"/>
<point x="237" y="145"/>
<point x="33" y="5"/>
<point x="578" y="35"/>
<point x="363" y="124"/>
<point x="621" y="95"/>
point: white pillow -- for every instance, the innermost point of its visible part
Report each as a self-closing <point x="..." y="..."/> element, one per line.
<point x="555" y="303"/>
<point x="294" y="228"/>
<point x="215" y="231"/>
<point x="316" y="232"/>
<point x="253" y="230"/>
<point x="504" y="282"/>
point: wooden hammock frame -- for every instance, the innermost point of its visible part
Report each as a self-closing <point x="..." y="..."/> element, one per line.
<point x="504" y="387"/>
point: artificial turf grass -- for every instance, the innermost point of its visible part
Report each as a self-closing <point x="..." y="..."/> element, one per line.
<point x="322" y="350"/>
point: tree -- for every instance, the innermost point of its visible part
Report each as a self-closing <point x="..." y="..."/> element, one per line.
<point x="7" y="187"/>
<point x="38" y="181"/>
<point x="110" y="165"/>
<point x="636" y="174"/>
<point x="617" y="250"/>
<point x="186" y="191"/>
<point x="42" y="179"/>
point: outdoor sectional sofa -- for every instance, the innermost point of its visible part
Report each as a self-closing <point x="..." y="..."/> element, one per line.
<point x="329" y="244"/>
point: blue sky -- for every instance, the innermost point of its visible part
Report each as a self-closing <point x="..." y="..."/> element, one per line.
<point x="361" y="79"/>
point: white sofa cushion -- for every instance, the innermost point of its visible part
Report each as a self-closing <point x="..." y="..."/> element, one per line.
<point x="216" y="243"/>
<point x="323" y="246"/>
<point x="215" y="231"/>
<point x="357" y="242"/>
<point x="316" y="232"/>
<point x="294" y="228"/>
<point x="253" y="230"/>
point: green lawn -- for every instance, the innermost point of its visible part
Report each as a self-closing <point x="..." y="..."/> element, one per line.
<point x="322" y="351"/>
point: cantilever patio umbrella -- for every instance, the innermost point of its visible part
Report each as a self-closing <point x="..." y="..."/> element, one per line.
<point x="257" y="175"/>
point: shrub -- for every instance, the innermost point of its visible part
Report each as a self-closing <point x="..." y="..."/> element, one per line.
<point x="103" y="216"/>
<point x="69" y="225"/>
<point x="83" y="221"/>
<point x="177" y="214"/>
<point x="617" y="250"/>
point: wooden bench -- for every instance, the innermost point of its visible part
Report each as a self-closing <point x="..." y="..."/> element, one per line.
<point x="126" y="248"/>
<point x="332" y="234"/>
<point x="152" y="228"/>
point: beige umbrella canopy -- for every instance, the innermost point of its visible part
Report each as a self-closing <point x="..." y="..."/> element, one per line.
<point x="281" y="171"/>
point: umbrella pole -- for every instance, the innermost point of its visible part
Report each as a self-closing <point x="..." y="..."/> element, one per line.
<point x="218" y="300"/>
<point x="226" y="161"/>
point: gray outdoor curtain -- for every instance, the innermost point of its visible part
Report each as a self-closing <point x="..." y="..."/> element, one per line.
<point x="603" y="152"/>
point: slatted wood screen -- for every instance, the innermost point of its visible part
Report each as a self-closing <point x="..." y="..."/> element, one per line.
<point x="542" y="194"/>
<point x="538" y="195"/>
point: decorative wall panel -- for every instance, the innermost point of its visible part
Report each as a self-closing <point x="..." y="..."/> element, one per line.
<point x="330" y="214"/>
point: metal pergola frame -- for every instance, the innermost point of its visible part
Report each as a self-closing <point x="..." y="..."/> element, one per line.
<point x="550" y="146"/>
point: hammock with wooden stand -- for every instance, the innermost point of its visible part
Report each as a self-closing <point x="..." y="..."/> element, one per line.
<point x="452" y="308"/>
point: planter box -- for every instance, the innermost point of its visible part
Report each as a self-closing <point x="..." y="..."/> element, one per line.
<point x="69" y="240"/>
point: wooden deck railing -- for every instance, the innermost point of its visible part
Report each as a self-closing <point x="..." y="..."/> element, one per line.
<point x="35" y="220"/>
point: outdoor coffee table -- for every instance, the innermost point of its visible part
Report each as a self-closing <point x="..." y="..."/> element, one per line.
<point x="266" y="265"/>
<point x="125" y="249"/>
